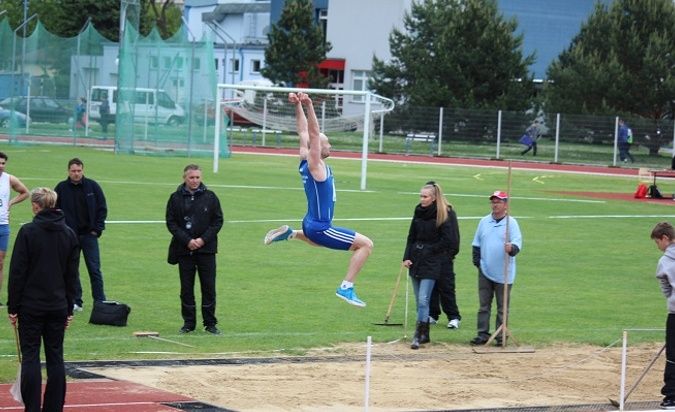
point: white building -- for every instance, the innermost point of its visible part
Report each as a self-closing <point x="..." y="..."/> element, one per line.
<point x="239" y="29"/>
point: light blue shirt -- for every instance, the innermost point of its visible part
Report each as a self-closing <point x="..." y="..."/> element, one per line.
<point x="490" y="237"/>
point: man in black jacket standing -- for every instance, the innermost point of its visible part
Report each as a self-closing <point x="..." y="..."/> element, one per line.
<point x="42" y="278"/>
<point x="194" y="218"/>
<point x="85" y="208"/>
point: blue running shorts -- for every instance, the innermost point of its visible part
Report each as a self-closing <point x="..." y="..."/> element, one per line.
<point x="323" y="234"/>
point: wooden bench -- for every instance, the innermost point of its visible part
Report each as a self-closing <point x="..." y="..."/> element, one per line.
<point x="429" y="138"/>
<point x="666" y="173"/>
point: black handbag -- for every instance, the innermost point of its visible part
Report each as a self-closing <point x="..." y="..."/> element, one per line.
<point x="110" y="312"/>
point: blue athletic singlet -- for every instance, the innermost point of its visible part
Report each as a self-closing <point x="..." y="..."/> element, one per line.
<point x="321" y="199"/>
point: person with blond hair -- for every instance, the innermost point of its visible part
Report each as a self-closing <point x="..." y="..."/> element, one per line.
<point x="319" y="184"/>
<point x="433" y="236"/>
<point x="42" y="281"/>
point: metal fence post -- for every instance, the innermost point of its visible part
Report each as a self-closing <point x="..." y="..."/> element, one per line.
<point x="440" y="129"/>
<point x="499" y="131"/>
<point x="557" y="137"/>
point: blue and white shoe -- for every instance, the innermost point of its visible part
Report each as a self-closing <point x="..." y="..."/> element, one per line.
<point x="349" y="296"/>
<point x="280" y="233"/>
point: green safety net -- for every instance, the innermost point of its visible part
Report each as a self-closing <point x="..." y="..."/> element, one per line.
<point x="146" y="95"/>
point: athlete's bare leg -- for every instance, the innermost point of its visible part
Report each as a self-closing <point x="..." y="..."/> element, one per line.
<point x="362" y="248"/>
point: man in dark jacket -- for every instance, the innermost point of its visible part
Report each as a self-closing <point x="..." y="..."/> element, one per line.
<point x="42" y="279"/>
<point x="194" y="218"/>
<point x="84" y="206"/>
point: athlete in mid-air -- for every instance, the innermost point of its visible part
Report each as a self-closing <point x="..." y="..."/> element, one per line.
<point x="319" y="183"/>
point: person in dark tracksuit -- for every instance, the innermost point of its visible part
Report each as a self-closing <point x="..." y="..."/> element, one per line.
<point x="42" y="282"/>
<point x="85" y="208"/>
<point x="194" y="218"/>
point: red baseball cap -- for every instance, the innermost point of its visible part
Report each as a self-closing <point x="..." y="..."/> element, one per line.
<point x="499" y="195"/>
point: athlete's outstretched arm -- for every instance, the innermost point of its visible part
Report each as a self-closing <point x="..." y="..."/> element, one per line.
<point x="300" y="125"/>
<point x="314" y="158"/>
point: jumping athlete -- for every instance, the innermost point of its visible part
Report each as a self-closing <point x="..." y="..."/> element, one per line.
<point x="319" y="183"/>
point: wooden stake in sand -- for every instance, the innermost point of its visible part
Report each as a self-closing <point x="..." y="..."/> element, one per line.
<point x="155" y="335"/>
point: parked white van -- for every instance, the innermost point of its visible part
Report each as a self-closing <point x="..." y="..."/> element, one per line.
<point x="149" y="105"/>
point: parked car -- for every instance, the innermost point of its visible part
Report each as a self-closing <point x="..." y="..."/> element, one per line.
<point x="9" y="116"/>
<point x="42" y="109"/>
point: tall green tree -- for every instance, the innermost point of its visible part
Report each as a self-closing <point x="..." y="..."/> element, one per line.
<point x="68" y="18"/>
<point x="296" y="46"/>
<point x="459" y="53"/>
<point x="621" y="62"/>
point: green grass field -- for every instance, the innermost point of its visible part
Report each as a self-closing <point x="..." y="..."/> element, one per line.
<point x="585" y="273"/>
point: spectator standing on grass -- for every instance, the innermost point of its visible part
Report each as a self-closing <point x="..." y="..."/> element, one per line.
<point x="104" y="113"/>
<point x="432" y="237"/>
<point x="319" y="184"/>
<point x="84" y="205"/>
<point x="194" y="218"/>
<point x="625" y="139"/>
<point x="81" y="114"/>
<point x="664" y="236"/>
<point x="7" y="184"/>
<point x="492" y="253"/>
<point x="443" y="295"/>
<point x="530" y="138"/>
<point x="42" y="279"/>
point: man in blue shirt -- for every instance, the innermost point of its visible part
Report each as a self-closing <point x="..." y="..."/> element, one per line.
<point x="495" y="245"/>
<point x="319" y="184"/>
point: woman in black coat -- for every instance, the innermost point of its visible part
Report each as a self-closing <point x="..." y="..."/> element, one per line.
<point x="429" y="239"/>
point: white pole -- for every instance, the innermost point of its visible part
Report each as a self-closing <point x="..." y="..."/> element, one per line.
<point x="622" y="389"/>
<point x="499" y="131"/>
<point x="405" y="312"/>
<point x="381" y="148"/>
<point x="364" y="154"/>
<point x="616" y="138"/>
<point x="367" y="389"/>
<point x="264" y="125"/>
<point x="557" y="137"/>
<point x="440" y="129"/>
<point x="216" y="138"/>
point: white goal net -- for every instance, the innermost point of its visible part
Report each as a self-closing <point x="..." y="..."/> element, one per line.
<point x="267" y="109"/>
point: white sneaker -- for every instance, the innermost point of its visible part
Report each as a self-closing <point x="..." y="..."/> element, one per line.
<point x="77" y="308"/>
<point x="454" y="324"/>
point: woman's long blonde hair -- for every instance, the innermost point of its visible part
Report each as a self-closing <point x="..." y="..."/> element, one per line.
<point x="442" y="205"/>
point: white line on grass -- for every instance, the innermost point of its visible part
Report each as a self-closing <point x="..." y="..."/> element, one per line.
<point x="552" y="199"/>
<point x="391" y="219"/>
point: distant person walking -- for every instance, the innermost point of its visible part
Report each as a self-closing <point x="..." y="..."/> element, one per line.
<point x="319" y="184"/>
<point x="7" y="184"/>
<point x="625" y="139"/>
<point x="42" y="280"/>
<point x="530" y="138"/>
<point x="84" y="205"/>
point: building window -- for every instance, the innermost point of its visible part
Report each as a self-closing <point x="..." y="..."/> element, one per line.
<point x="359" y="82"/>
<point x="215" y="64"/>
<point x="154" y="62"/>
<point x="235" y="65"/>
<point x="255" y="66"/>
<point x="196" y="64"/>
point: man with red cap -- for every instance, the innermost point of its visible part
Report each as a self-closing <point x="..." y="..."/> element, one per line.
<point x="495" y="245"/>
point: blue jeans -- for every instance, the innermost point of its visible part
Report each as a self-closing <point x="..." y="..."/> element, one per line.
<point x="422" y="289"/>
<point x="92" y="258"/>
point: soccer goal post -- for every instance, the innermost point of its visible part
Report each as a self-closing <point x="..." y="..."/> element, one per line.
<point x="267" y="108"/>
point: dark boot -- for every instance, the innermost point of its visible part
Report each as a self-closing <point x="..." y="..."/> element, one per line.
<point x="424" y="333"/>
<point x="415" y="344"/>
